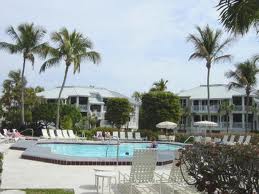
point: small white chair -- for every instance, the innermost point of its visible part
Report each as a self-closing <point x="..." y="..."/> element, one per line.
<point x="240" y="140"/>
<point x="247" y="140"/>
<point x="130" y="136"/>
<point x="142" y="171"/>
<point x="45" y="133"/>
<point x="122" y="135"/>
<point x="225" y="139"/>
<point x="171" y="138"/>
<point x="231" y="140"/>
<point x="59" y="134"/>
<point x="115" y="134"/>
<point x="52" y="134"/>
<point x="65" y="134"/>
<point x="138" y="136"/>
<point x="162" y="138"/>
<point x="197" y="139"/>
<point x="99" y="135"/>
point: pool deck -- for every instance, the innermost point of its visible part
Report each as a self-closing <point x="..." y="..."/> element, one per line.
<point x="20" y="174"/>
<point x="44" y="154"/>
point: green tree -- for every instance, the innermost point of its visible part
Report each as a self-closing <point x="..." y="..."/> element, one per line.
<point x="72" y="48"/>
<point x="66" y="122"/>
<point x="159" y="106"/>
<point x="160" y="85"/>
<point x="27" y="41"/>
<point x="239" y="15"/>
<point x="209" y="46"/>
<point x="244" y="77"/>
<point x="118" y="111"/>
<point x="185" y="114"/>
<point x="137" y="96"/>
<point x="71" y="111"/>
<point x="226" y="109"/>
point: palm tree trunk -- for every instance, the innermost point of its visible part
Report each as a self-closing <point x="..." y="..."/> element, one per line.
<point x="247" y="109"/>
<point x="60" y="92"/>
<point x="22" y="97"/>
<point x="208" y="90"/>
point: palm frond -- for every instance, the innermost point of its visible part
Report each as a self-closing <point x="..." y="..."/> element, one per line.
<point x="92" y="56"/>
<point x="12" y="48"/>
<point x="223" y="58"/>
<point x="50" y="63"/>
<point x="13" y="34"/>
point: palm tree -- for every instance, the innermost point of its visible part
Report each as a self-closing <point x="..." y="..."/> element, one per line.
<point x="244" y="77"/>
<point x="27" y="41"/>
<point x="239" y="15"/>
<point x="72" y="48"/>
<point x="208" y="46"/>
<point x="159" y="85"/>
<point x="226" y="109"/>
<point x="137" y="96"/>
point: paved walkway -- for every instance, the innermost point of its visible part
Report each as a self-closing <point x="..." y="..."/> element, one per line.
<point x="20" y="174"/>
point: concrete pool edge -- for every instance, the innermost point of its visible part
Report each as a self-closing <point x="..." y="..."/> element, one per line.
<point x="44" y="154"/>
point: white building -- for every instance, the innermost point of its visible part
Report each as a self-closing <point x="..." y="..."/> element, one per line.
<point x="196" y="100"/>
<point x="91" y="101"/>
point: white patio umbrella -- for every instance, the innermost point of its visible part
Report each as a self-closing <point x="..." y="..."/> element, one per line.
<point x="166" y="125"/>
<point x="205" y="124"/>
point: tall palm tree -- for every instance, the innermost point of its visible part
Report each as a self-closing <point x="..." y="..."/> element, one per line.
<point x="26" y="41"/>
<point x="239" y="15"/>
<point x="208" y="46"/>
<point x="244" y="77"/>
<point x="226" y="109"/>
<point x="72" y="48"/>
<point x="160" y="85"/>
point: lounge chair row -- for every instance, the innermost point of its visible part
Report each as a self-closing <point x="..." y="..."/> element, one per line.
<point x="121" y="135"/>
<point x="60" y="134"/>
<point x="166" y="138"/>
<point x="231" y="141"/>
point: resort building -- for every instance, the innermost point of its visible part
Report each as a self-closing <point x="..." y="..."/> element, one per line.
<point x="195" y="102"/>
<point x="91" y="101"/>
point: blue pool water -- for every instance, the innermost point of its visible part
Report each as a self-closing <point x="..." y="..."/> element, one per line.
<point x="102" y="151"/>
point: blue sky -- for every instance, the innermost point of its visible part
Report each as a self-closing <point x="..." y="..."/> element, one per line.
<point x="140" y="42"/>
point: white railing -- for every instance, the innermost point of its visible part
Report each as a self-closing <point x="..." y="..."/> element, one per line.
<point x="237" y="125"/>
<point x="204" y="108"/>
<point x="238" y="108"/>
<point x="83" y="107"/>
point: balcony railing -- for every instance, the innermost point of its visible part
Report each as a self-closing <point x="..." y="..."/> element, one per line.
<point x="83" y="107"/>
<point x="203" y="108"/>
<point x="238" y="108"/>
<point x="237" y="125"/>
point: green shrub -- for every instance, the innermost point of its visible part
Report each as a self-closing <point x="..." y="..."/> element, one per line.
<point x="66" y="122"/>
<point x="150" y="134"/>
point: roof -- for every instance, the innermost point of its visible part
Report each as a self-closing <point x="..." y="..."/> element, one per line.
<point x="217" y="91"/>
<point x="87" y="91"/>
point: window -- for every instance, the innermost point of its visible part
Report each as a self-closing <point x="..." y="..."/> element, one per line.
<point x="214" y="118"/>
<point x="83" y="100"/>
<point x="237" y="117"/>
<point x="237" y="100"/>
<point x="183" y="102"/>
<point x="95" y="107"/>
<point x="195" y="102"/>
<point x="72" y="100"/>
<point x="196" y="118"/>
<point x="204" y="117"/>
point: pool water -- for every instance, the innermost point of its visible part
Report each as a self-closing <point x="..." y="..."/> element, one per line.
<point x="102" y="151"/>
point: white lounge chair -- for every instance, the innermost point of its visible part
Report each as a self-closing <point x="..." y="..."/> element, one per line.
<point x="225" y="139"/>
<point x="115" y="134"/>
<point x="138" y="136"/>
<point x="45" y="133"/>
<point x="231" y="140"/>
<point x="59" y="134"/>
<point x="142" y="171"/>
<point x="14" y="130"/>
<point x="65" y="134"/>
<point x="73" y="136"/>
<point x="171" y="137"/>
<point x="52" y="134"/>
<point x="99" y="135"/>
<point x="240" y="140"/>
<point x="247" y="140"/>
<point x="130" y="136"/>
<point x="5" y="132"/>
<point x="122" y="135"/>
<point x="208" y="140"/>
<point x="174" y="182"/>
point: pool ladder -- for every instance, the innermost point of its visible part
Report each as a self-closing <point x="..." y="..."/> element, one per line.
<point x="188" y="138"/>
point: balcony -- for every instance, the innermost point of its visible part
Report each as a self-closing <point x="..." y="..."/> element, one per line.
<point x="203" y="108"/>
<point x="83" y="107"/>
<point x="237" y="125"/>
<point x="238" y="108"/>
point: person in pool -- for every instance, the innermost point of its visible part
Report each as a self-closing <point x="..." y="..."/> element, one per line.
<point x="153" y="143"/>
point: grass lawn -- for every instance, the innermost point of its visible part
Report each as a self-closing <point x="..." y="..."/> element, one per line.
<point x="49" y="191"/>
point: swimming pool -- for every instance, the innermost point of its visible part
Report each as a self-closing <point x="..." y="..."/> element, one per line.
<point x="102" y="151"/>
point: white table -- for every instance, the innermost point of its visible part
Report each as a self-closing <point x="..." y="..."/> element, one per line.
<point x="109" y="175"/>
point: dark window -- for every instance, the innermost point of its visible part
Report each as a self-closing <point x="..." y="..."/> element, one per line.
<point x="237" y="117"/>
<point x="237" y="100"/>
<point x="204" y="117"/>
<point x="196" y="118"/>
<point x="195" y="102"/>
<point x="73" y="100"/>
<point x="83" y="100"/>
<point x="204" y="102"/>
<point x="214" y="118"/>
<point x="183" y="102"/>
<point x="51" y="100"/>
